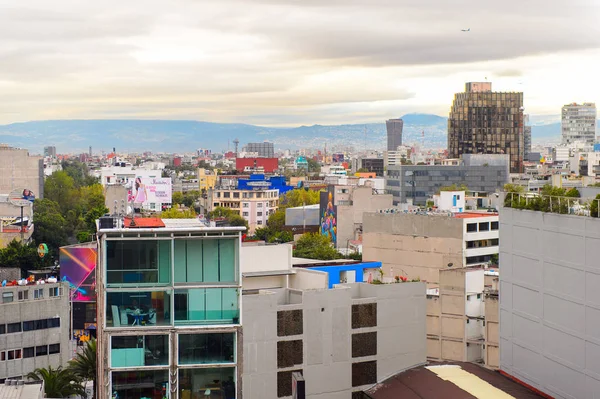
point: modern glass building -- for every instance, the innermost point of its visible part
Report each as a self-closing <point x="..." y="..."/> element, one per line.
<point x="168" y="309"/>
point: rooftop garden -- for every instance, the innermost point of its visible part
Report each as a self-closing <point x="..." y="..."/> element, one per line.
<point x="551" y="199"/>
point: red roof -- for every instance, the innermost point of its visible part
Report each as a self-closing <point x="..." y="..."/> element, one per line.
<point x="144" y="223"/>
<point x="468" y="215"/>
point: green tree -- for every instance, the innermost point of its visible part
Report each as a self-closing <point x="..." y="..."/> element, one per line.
<point x="84" y="364"/>
<point x="219" y="212"/>
<point x="513" y="188"/>
<point x="573" y="193"/>
<point x="315" y="246"/>
<point x="177" y="198"/>
<point x="594" y="207"/>
<point x="60" y="188"/>
<point x="25" y="257"/>
<point x="50" y="226"/>
<point x="190" y="198"/>
<point x="299" y="197"/>
<point x="276" y="220"/>
<point x="313" y="166"/>
<point x="454" y="187"/>
<point x="174" y="213"/>
<point x="362" y="170"/>
<point x="58" y="382"/>
<point x="237" y="220"/>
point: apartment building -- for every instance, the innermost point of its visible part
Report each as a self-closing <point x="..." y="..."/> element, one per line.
<point x="420" y="244"/>
<point x="254" y="205"/>
<point x="578" y="123"/>
<point x="168" y="309"/>
<point x="550" y="302"/>
<point x="34" y="328"/>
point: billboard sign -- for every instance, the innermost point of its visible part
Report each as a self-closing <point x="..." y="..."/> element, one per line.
<point x="21" y="197"/>
<point x="145" y="191"/>
<point x="78" y="268"/>
<point x="328" y="214"/>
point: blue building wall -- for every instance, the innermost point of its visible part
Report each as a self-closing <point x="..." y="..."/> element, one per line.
<point x="335" y="270"/>
<point x="273" y="182"/>
<point x="596" y="147"/>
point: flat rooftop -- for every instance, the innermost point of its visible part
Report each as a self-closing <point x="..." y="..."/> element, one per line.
<point x="450" y="380"/>
<point x="115" y="224"/>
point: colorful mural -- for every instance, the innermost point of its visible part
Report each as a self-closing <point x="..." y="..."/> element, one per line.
<point x="328" y="214"/>
<point x="78" y="268"/>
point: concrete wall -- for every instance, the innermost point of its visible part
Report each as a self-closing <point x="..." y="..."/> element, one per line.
<point x="492" y="338"/>
<point x="550" y="301"/>
<point x="35" y="309"/>
<point x="327" y="337"/>
<point x="263" y="258"/>
<point x="264" y="282"/>
<point x="305" y="279"/>
<point x="19" y="170"/>
<point x="413" y="245"/>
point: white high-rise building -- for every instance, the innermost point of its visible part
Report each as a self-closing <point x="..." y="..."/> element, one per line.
<point x="579" y="123"/>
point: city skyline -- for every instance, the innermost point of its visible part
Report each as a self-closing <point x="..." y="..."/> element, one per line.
<point x="274" y="64"/>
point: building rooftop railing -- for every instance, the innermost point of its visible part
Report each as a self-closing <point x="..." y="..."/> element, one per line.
<point x="552" y="204"/>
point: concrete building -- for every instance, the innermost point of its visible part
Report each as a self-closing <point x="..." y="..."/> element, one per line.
<point x="351" y="206"/>
<point x="374" y="165"/>
<point x="50" y="151"/>
<point x="418" y="183"/>
<point x="34" y="328"/>
<point x="485" y="122"/>
<point x="549" y="302"/>
<point x="168" y="309"/>
<point x="526" y="138"/>
<point x="263" y="150"/>
<point x="578" y="123"/>
<point x="343" y="340"/>
<point x="206" y="180"/>
<point x="397" y="157"/>
<point x="253" y="205"/>
<point x="123" y="173"/>
<point x="302" y="216"/>
<point x="19" y="170"/>
<point x="394" y="133"/>
<point x="419" y="245"/>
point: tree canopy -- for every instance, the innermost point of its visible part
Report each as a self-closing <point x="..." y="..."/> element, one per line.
<point x="315" y="246"/>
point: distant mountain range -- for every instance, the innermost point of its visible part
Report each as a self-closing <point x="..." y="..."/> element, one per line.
<point x="71" y="136"/>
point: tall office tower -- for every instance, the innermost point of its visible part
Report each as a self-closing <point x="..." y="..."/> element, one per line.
<point x="394" y="133"/>
<point x="526" y="137"/>
<point x="264" y="150"/>
<point x="90" y="152"/>
<point x="50" y="151"/>
<point x="485" y="122"/>
<point x="579" y="123"/>
<point x="168" y="309"/>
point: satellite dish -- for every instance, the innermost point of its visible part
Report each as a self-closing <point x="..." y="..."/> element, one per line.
<point x="21" y="197"/>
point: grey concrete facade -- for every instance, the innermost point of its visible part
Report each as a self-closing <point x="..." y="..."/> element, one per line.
<point x="338" y="351"/>
<point x="394" y="133"/>
<point x="19" y="170"/>
<point x="550" y="301"/>
<point x="33" y="309"/>
<point x="484" y="177"/>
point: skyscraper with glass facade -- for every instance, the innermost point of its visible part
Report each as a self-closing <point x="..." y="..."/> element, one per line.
<point x="485" y="122"/>
<point x="168" y="309"/>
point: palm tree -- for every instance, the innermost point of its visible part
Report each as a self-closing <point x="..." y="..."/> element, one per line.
<point x="58" y="382"/>
<point x="84" y="364"/>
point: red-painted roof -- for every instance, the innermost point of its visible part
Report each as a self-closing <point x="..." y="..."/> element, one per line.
<point x="468" y="215"/>
<point x="144" y="223"/>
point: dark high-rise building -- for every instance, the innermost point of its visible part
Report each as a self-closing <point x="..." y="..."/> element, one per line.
<point x="394" y="133"/>
<point x="485" y="122"/>
<point x="264" y="150"/>
<point x="526" y="138"/>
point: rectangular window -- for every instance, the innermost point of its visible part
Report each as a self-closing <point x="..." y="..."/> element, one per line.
<point x="259" y="213"/>
<point x="23" y="295"/>
<point x="200" y="306"/>
<point x="138" y="262"/>
<point x="7" y="297"/>
<point x="495" y="226"/>
<point x="138" y="309"/>
<point x="138" y="351"/>
<point x="41" y="324"/>
<point x="13" y="328"/>
<point x="41" y="350"/>
<point x="364" y="315"/>
<point x="364" y="344"/>
<point x="54" y="291"/>
<point x="2" y="356"/>
<point x="484" y="226"/>
<point x="259" y="222"/>
<point x="259" y="205"/>
<point x="54" y="322"/>
<point x="364" y="373"/>
<point x="284" y="383"/>
<point x="205" y="260"/>
<point x="495" y="241"/>
<point x="207" y="348"/>
<point x="245" y="214"/>
<point x="144" y="384"/>
<point x="2" y="328"/>
<point x="236" y="195"/>
<point x="289" y="322"/>
<point x="471" y="227"/>
<point x="28" y="325"/>
<point x="13" y="354"/>
<point x="246" y="205"/>
<point x="28" y="352"/>
<point x="218" y="380"/>
<point x="289" y="353"/>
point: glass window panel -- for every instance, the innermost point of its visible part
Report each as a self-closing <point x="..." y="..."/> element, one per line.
<point x="211" y="260"/>
<point x="41" y="350"/>
<point x="227" y="260"/>
<point x="29" y="352"/>
<point x="197" y="382"/>
<point x="141" y="384"/>
<point x="137" y="262"/>
<point x="206" y="306"/>
<point x="141" y="350"/>
<point x="206" y="348"/>
<point x="138" y="309"/>
<point x="194" y="261"/>
<point x="180" y="261"/>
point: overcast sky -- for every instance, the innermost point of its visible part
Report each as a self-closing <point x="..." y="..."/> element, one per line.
<point x="286" y="63"/>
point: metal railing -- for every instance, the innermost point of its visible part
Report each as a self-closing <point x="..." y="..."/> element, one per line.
<point x="552" y="204"/>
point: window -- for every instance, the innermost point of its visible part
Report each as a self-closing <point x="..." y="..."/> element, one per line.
<point x="259" y="205"/>
<point x="13" y="328"/>
<point x="289" y="353"/>
<point x="28" y="325"/>
<point x="484" y="226"/>
<point x="198" y="306"/>
<point x="471" y="227"/>
<point x="495" y="241"/>
<point x="226" y="195"/>
<point x="259" y="222"/>
<point x="2" y="356"/>
<point x="494" y="225"/>
<point x="284" y="383"/>
<point x="41" y="324"/>
<point x="38" y="294"/>
<point x="54" y="322"/>
<point x="245" y="205"/>
<point x="145" y="384"/>
<point x="364" y="315"/>
<point x="53" y="348"/>
<point x="207" y="348"/>
<point x="138" y="262"/>
<point x="54" y="291"/>
<point x="13" y="354"/>
<point x="41" y="350"/>
<point x="245" y="214"/>
<point x="364" y="373"/>
<point x="7" y="297"/>
<point x="258" y="213"/>
<point x="28" y="352"/>
<point x="137" y="351"/>
<point x="23" y="295"/>
<point x="222" y="379"/>
<point x="138" y="308"/>
<point x="289" y="322"/>
<point x="364" y="344"/>
<point x="205" y="260"/>
<point x="2" y="328"/>
<point x="236" y="195"/>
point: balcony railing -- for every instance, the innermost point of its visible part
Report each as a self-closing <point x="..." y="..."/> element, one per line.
<point x="552" y="204"/>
